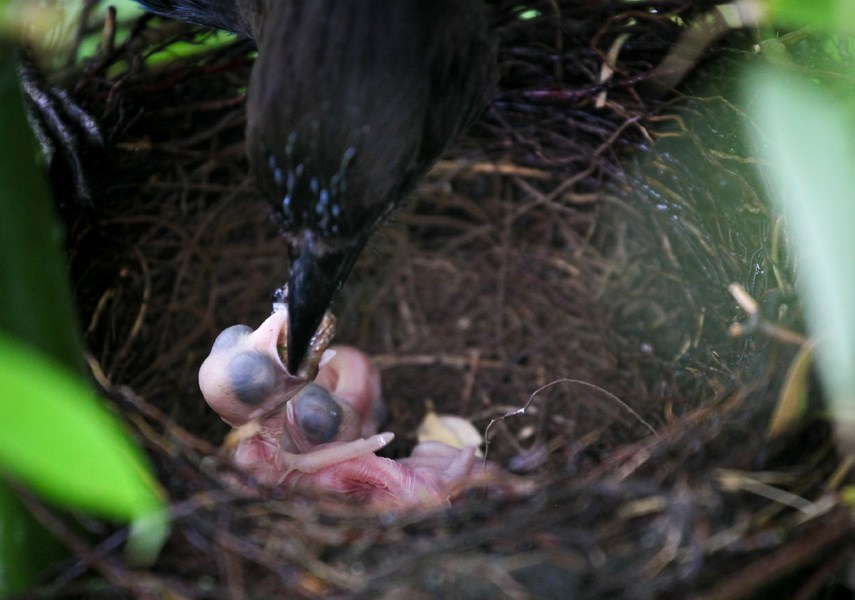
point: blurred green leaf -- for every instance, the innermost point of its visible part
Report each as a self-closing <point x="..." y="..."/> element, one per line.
<point x="55" y="435"/>
<point x="147" y="535"/>
<point x="180" y="49"/>
<point x="831" y="15"/>
<point x="809" y="139"/>
<point x="25" y="547"/>
<point x="35" y="302"/>
<point x="35" y="305"/>
<point x="847" y="496"/>
<point x="58" y="438"/>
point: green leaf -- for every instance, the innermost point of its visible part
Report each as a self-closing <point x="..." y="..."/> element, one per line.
<point x="847" y="496"/>
<point x="55" y="435"/>
<point x="808" y="137"/>
<point x="180" y="49"/>
<point x="19" y="535"/>
<point x="830" y="15"/>
<point x="147" y="536"/>
<point x="58" y="438"/>
<point x="35" y="305"/>
<point x="35" y="302"/>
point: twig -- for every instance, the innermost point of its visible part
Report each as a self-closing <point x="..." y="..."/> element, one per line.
<point x="522" y="409"/>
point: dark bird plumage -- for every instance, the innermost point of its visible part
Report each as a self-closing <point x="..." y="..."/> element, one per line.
<point x="349" y="104"/>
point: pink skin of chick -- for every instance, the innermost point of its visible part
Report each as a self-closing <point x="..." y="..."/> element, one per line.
<point x="320" y="436"/>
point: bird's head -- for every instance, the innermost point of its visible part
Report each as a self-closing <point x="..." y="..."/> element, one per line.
<point x="349" y="104"/>
<point x="326" y="215"/>
<point x="330" y="147"/>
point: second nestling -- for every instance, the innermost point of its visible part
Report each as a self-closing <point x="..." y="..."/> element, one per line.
<point x="321" y="436"/>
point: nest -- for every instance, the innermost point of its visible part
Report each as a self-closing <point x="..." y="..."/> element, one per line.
<point x="571" y="255"/>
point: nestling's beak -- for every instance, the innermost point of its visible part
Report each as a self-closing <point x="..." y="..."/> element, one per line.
<point x="317" y="273"/>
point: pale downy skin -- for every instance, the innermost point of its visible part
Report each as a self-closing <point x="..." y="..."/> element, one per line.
<point x="320" y="436"/>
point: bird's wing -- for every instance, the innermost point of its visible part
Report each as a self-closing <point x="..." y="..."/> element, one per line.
<point x="231" y="15"/>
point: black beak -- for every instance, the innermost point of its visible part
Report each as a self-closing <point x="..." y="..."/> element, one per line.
<point x="317" y="273"/>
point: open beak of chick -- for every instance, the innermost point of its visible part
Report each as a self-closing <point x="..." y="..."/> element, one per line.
<point x="294" y="424"/>
<point x="320" y="435"/>
<point x="245" y="376"/>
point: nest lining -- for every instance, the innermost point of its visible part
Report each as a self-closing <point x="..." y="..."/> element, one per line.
<point x="544" y="247"/>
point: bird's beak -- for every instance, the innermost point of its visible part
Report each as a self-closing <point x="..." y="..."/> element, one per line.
<point x="317" y="273"/>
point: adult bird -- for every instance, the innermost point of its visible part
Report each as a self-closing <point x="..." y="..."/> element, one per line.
<point x="349" y="103"/>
